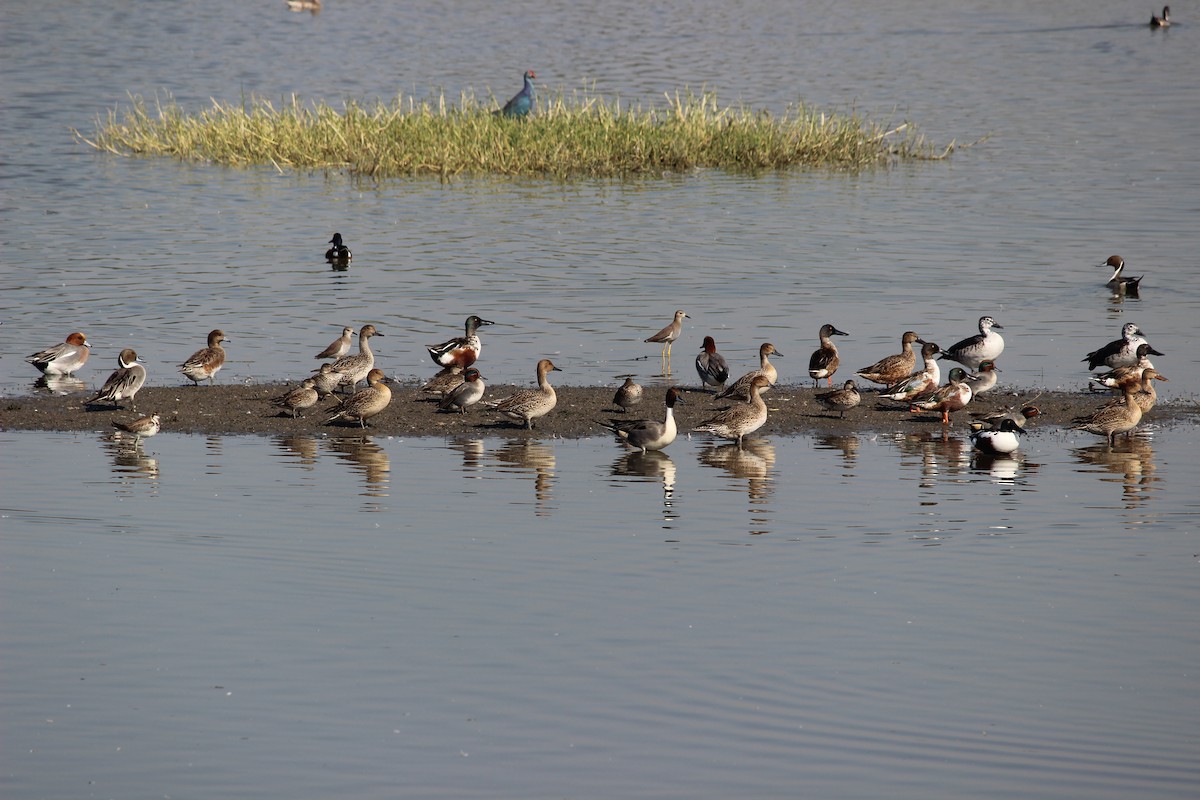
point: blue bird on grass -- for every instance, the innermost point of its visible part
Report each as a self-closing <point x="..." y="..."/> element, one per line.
<point x="522" y="101"/>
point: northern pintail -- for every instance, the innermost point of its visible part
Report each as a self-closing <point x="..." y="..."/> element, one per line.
<point x="954" y="396"/>
<point x="1114" y="378"/>
<point x="204" y="364"/>
<point x="327" y="379"/>
<point x="521" y="103"/>
<point x="1120" y="352"/>
<point x="463" y="350"/>
<point x="1145" y="395"/>
<point x="1121" y="284"/>
<point x="62" y="359"/>
<point x="918" y="383"/>
<point x="985" y="379"/>
<point x="649" y="434"/>
<point x="530" y="404"/>
<point x="824" y="360"/>
<point x="142" y="428"/>
<point x="998" y="441"/>
<point x="1161" y="22"/>
<point x="355" y="368"/>
<point x="466" y="394"/>
<point x="840" y="400"/>
<point x="628" y="394"/>
<point x="710" y="365"/>
<point x="669" y="334"/>
<point x="124" y="382"/>
<point x="365" y="403"/>
<point x="1109" y="420"/>
<point x="305" y="396"/>
<point x="894" y="368"/>
<point x="741" y="387"/>
<point x="445" y="381"/>
<point x="340" y="346"/>
<point x="339" y="251"/>
<point x="987" y="345"/>
<point x="735" y="422"/>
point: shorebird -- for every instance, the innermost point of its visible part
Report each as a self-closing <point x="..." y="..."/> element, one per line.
<point x="894" y="368"/>
<point x="204" y="364"/>
<point x="987" y="345"/>
<point x="62" y="359"/>
<point x="530" y="404"/>
<point x="649" y="434"/>
<point x="824" y="360"/>
<point x="669" y="334"/>
<point x="339" y="347"/>
<point x="124" y="382"/>
<point x="142" y="428"/>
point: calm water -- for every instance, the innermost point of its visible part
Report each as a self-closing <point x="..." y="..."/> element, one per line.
<point x="429" y="618"/>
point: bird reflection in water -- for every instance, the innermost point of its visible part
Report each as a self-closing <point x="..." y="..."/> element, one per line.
<point x="301" y="450"/>
<point x="60" y="384"/>
<point x="472" y="455"/>
<point x="753" y="462"/>
<point x="532" y="456"/>
<point x="131" y="465"/>
<point x="367" y="459"/>
<point x="655" y="465"/>
<point x="940" y="452"/>
<point x="847" y="444"/>
<point x="1130" y="462"/>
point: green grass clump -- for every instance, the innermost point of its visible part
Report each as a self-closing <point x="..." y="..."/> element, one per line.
<point x="565" y="137"/>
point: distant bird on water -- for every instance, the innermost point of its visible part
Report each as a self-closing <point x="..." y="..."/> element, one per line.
<point x="1122" y="284"/>
<point x="522" y="102"/>
<point x="339" y="251"/>
<point x="1161" y="22"/>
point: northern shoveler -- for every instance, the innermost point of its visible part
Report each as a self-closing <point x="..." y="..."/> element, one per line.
<point x="466" y="394"/>
<point x="462" y="350"/>
<point x="894" y="368"/>
<point x="62" y="359"/>
<point x="735" y="422"/>
<point x="710" y="365"/>
<point x="530" y="404"/>
<point x="204" y="364"/>
<point x="987" y="345"/>
<point x="998" y="441"/>
<point x="954" y="396"/>
<point x="741" y="387"/>
<point x="365" y="403"/>
<point x="1120" y="352"/>
<point x="124" y="382"/>
<point x="918" y="383"/>
<point x="649" y="434"/>
<point x="840" y="400"/>
<point x="339" y="251"/>
<point x="824" y="360"/>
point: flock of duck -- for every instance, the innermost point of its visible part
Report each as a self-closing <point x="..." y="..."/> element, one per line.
<point x="911" y="378"/>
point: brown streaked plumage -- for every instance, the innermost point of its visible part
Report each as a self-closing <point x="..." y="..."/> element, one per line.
<point x="736" y="421"/>
<point x="824" y="361"/>
<point x="305" y="396"/>
<point x="358" y="366"/>
<point x="365" y="403"/>
<point x="204" y="364"/>
<point x="894" y="368"/>
<point x="741" y="387"/>
<point x="530" y="404"/>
